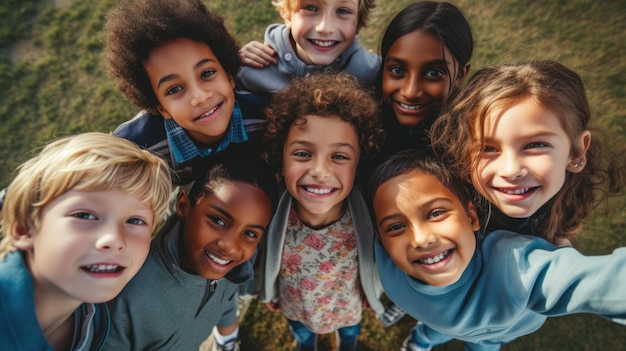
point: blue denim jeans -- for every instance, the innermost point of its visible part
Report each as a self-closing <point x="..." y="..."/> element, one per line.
<point x="305" y="337"/>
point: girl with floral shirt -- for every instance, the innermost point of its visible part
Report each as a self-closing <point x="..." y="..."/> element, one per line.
<point x="319" y="263"/>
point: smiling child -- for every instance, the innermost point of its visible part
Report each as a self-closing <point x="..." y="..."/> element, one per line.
<point x="190" y="281"/>
<point x="485" y="292"/>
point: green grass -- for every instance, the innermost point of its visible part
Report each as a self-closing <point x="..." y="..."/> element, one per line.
<point x="53" y="82"/>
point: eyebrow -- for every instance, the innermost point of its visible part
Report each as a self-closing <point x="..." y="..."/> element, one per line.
<point x="310" y="144"/>
<point x="230" y="217"/>
<point x="172" y="76"/>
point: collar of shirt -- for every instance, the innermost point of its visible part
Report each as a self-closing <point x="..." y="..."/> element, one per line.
<point x="184" y="149"/>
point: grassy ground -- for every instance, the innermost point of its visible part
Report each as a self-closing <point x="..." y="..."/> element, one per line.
<point x="53" y="83"/>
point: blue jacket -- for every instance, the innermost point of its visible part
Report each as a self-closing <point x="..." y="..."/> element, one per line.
<point x="19" y="328"/>
<point x="512" y="284"/>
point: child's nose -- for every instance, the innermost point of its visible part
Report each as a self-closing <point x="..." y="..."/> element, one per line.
<point x="421" y="237"/>
<point x="319" y="169"/>
<point x="326" y="24"/>
<point x="113" y="239"/>
<point x="412" y="88"/>
<point x="511" y="166"/>
<point x="228" y="243"/>
<point x="200" y="95"/>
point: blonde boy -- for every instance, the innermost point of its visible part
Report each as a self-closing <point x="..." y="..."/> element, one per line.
<point x="76" y="225"/>
<point x="317" y="35"/>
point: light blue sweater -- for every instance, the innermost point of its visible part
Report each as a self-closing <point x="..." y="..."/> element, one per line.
<point x="19" y="328"/>
<point x="512" y="284"/>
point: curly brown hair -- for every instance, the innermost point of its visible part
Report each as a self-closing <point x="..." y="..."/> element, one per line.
<point x="457" y="134"/>
<point x="327" y="95"/>
<point x="135" y="27"/>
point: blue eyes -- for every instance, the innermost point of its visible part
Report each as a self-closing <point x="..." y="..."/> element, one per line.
<point x="136" y="221"/>
<point x="90" y="217"/>
<point x="84" y="215"/>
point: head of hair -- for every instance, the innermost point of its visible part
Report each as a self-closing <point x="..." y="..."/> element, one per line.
<point x="135" y="27"/>
<point x="417" y="160"/>
<point x="84" y="162"/>
<point x="291" y="6"/>
<point x="443" y="20"/>
<point x="457" y="136"/>
<point x="229" y="166"/>
<point x="333" y="95"/>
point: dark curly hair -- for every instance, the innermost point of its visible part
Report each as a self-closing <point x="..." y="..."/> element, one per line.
<point x="328" y="95"/>
<point x="135" y="27"/>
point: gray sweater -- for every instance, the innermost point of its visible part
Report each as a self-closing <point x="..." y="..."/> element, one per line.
<point x="166" y="308"/>
<point x="356" y="60"/>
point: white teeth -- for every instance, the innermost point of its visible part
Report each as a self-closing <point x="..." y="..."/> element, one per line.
<point x="516" y="191"/>
<point x="210" y="112"/>
<point x="323" y="43"/>
<point x="410" y="107"/>
<point x="436" y="258"/>
<point x="319" y="191"/>
<point x="217" y="259"/>
<point x="103" y="268"/>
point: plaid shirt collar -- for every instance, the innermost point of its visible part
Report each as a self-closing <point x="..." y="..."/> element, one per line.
<point x="184" y="149"/>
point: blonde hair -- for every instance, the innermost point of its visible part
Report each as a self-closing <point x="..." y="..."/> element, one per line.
<point x="84" y="162"/>
<point x="290" y="6"/>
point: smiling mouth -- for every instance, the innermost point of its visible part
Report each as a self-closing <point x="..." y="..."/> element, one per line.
<point x="208" y="113"/>
<point x="437" y="258"/>
<point x="103" y="268"/>
<point x="324" y="43"/>
<point x="519" y="191"/>
<point x="410" y="107"/>
<point x="319" y="191"/>
<point x="216" y="259"/>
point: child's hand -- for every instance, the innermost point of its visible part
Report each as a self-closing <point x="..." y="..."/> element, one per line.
<point x="273" y="306"/>
<point x="259" y="55"/>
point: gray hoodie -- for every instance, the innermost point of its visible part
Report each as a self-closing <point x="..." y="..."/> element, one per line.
<point x="356" y="60"/>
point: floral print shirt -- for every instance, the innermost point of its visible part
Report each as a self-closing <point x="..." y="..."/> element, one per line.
<point x="319" y="277"/>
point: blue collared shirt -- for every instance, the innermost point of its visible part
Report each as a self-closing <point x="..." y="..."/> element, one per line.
<point x="184" y="149"/>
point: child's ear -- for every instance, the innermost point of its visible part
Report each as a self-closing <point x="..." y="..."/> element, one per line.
<point x="164" y="112"/>
<point x="578" y="162"/>
<point x="182" y="205"/>
<point x="285" y="13"/>
<point x="21" y="237"/>
<point x="473" y="216"/>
